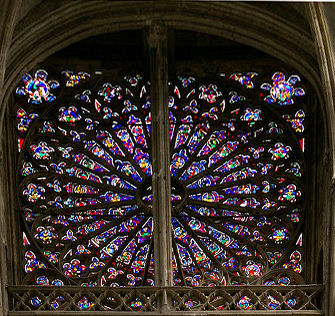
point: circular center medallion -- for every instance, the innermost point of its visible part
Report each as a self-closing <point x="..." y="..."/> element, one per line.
<point x="178" y="193"/>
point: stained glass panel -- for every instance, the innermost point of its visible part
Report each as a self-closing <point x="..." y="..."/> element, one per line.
<point x="81" y="167"/>
<point x="238" y="162"/>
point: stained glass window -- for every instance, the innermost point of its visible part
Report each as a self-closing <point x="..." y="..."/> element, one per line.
<point x="237" y="171"/>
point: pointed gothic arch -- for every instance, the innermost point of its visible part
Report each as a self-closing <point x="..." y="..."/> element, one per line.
<point x="303" y="65"/>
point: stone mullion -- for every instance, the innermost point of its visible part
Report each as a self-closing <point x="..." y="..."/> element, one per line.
<point x="161" y="182"/>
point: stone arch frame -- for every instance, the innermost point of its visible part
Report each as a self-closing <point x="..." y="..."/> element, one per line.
<point x="230" y="24"/>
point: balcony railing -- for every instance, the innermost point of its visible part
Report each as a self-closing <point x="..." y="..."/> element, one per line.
<point x="230" y="300"/>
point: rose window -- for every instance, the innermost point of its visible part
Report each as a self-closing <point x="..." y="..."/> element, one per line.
<point x="85" y="179"/>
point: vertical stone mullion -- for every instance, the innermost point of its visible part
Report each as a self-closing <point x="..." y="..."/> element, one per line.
<point x="161" y="182"/>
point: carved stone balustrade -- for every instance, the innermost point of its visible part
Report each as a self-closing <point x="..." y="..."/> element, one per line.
<point x="229" y="300"/>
